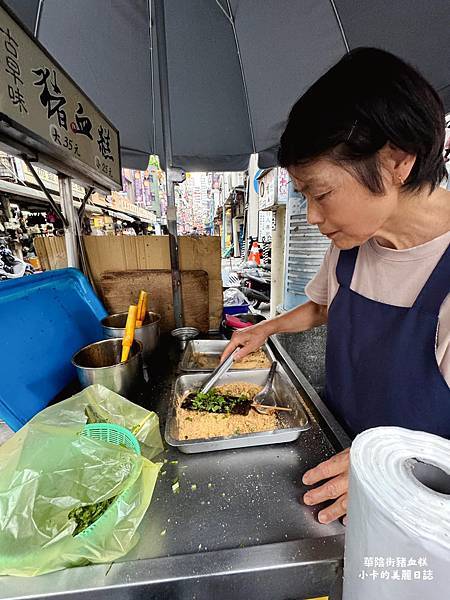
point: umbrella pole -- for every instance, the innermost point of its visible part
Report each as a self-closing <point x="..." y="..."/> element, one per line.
<point x="168" y="155"/>
<point x="70" y="230"/>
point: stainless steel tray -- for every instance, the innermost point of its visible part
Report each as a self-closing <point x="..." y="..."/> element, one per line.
<point x="210" y="348"/>
<point x="291" y="424"/>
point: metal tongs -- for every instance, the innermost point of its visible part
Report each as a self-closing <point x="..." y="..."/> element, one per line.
<point x="265" y="401"/>
<point x="218" y="372"/>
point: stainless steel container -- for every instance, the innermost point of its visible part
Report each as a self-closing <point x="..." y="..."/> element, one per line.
<point x="212" y="350"/>
<point x="291" y="424"/>
<point x="100" y="363"/>
<point x="184" y="334"/>
<point x="114" y="327"/>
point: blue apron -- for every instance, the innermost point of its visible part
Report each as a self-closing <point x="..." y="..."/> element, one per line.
<point x="381" y="365"/>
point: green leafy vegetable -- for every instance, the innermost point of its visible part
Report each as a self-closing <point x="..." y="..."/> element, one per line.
<point x="93" y="416"/>
<point x="85" y="515"/>
<point x="214" y="402"/>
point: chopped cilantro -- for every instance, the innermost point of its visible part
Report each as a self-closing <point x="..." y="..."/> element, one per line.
<point x="214" y="402"/>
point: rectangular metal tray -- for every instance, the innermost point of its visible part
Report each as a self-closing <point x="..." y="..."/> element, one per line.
<point x="213" y="348"/>
<point x="292" y="424"/>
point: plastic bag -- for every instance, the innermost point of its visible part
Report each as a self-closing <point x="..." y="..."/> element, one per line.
<point x="48" y="469"/>
<point x="234" y="297"/>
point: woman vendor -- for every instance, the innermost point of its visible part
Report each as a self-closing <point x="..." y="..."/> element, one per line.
<point x="364" y="145"/>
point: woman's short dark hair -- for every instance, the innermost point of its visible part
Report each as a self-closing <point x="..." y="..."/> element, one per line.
<point x="370" y="97"/>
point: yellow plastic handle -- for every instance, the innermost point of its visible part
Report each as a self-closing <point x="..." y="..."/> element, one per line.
<point x="142" y="308"/>
<point x="139" y="304"/>
<point x="129" y="332"/>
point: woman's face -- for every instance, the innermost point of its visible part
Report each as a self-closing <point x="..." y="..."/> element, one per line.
<point x="343" y="209"/>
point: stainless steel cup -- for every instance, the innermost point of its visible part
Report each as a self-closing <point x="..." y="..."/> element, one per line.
<point x="100" y="363"/>
<point x="184" y="334"/>
<point x="114" y="327"/>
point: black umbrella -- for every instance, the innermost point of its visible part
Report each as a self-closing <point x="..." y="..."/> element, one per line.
<point x="206" y="83"/>
<point x="234" y="67"/>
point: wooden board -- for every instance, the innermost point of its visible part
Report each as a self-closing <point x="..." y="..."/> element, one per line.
<point x="142" y="252"/>
<point x="121" y="288"/>
<point x="51" y="252"/>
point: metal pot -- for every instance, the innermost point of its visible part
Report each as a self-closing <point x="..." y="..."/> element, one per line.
<point x="114" y="327"/>
<point x="100" y="363"/>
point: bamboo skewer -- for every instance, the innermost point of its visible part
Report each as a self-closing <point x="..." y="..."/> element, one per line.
<point x="272" y="408"/>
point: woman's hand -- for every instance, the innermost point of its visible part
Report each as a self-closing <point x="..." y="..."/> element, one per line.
<point x="336" y="470"/>
<point x="250" y="338"/>
<point x="301" y="318"/>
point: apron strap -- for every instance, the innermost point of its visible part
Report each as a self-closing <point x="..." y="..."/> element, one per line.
<point x="437" y="286"/>
<point x="346" y="266"/>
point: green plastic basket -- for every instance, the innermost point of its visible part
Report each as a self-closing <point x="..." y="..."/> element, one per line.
<point x="113" y="434"/>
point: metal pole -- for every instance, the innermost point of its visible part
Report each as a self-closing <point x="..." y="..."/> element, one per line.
<point x="277" y="263"/>
<point x="168" y="155"/>
<point x="246" y="210"/>
<point x="44" y="190"/>
<point x="224" y="228"/>
<point x="82" y="208"/>
<point x="70" y="230"/>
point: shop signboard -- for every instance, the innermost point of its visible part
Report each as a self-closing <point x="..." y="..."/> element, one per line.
<point x="120" y="203"/>
<point x="267" y="190"/>
<point x="42" y="108"/>
<point x="265" y="226"/>
<point x="49" y="178"/>
<point x="273" y="188"/>
<point x="283" y="185"/>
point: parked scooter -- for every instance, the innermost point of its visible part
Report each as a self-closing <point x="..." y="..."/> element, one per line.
<point x="12" y="267"/>
<point x="255" y="285"/>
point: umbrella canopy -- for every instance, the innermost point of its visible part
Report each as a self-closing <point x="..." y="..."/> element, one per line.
<point x="235" y="67"/>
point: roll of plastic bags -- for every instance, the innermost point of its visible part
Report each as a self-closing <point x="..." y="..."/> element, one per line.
<point x="398" y="533"/>
<point x="48" y="469"/>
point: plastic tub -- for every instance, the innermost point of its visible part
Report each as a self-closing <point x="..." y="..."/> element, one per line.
<point x="236" y="310"/>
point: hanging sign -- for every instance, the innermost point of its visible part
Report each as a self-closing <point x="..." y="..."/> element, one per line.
<point x="268" y="190"/>
<point x="273" y="188"/>
<point x="42" y="107"/>
<point x="264" y="226"/>
<point x="283" y="185"/>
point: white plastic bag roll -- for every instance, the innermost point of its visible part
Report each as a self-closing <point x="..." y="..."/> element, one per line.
<point x="397" y="541"/>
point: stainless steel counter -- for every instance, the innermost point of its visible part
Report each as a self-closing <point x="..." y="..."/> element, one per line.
<point x="240" y="532"/>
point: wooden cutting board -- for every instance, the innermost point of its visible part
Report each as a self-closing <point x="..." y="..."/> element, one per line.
<point x="121" y="288"/>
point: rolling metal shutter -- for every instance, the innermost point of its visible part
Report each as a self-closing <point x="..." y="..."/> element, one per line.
<point x="304" y="251"/>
